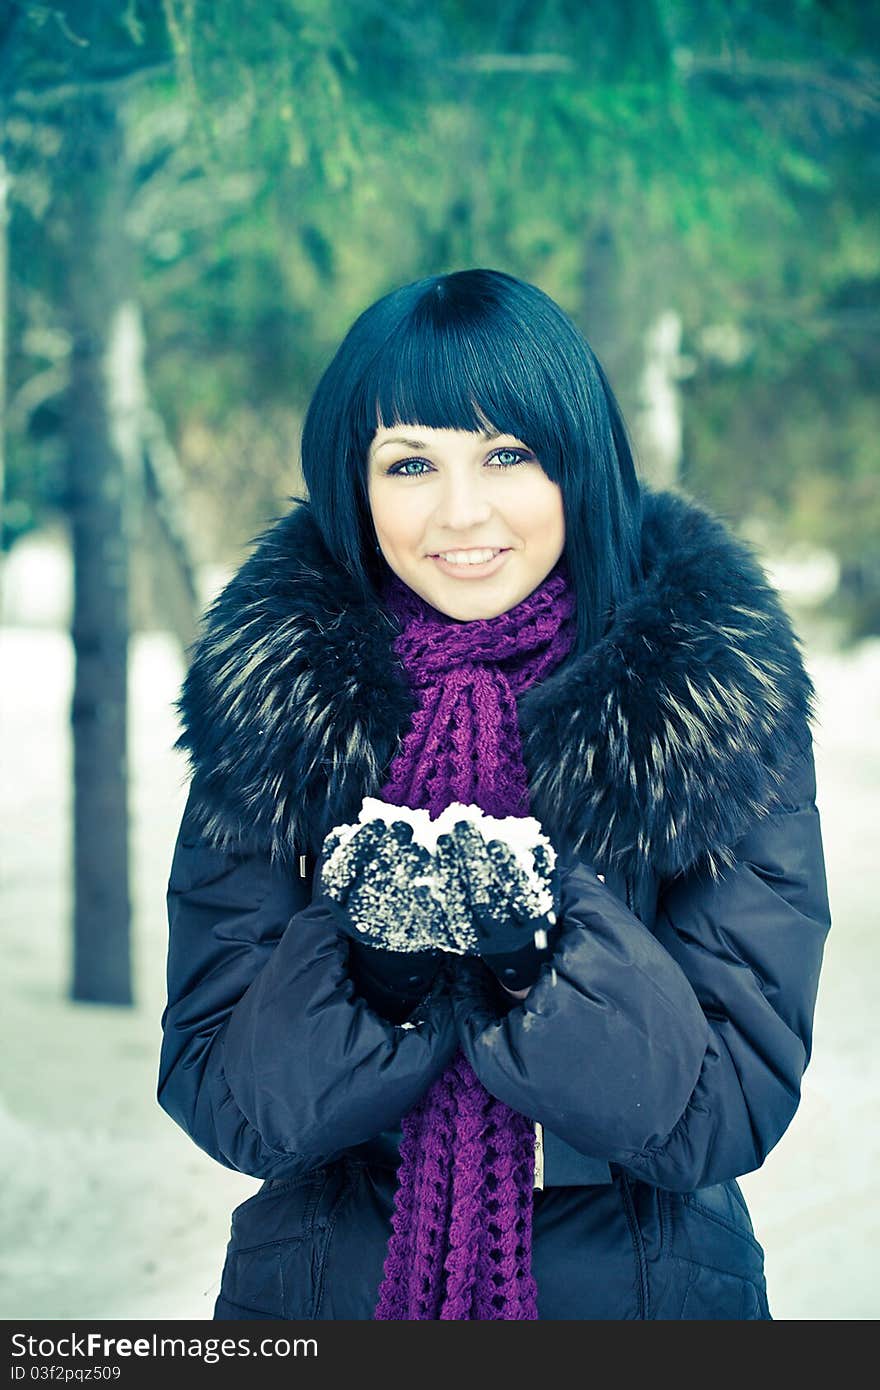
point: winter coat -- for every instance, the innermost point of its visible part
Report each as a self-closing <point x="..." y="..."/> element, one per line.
<point x="660" y="1056"/>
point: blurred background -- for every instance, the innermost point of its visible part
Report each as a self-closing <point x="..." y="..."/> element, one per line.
<point x="196" y="200"/>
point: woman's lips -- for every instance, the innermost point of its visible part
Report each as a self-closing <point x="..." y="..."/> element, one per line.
<point x="472" y="571"/>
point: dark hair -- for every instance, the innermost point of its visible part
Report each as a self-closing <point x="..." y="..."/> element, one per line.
<point x="468" y="350"/>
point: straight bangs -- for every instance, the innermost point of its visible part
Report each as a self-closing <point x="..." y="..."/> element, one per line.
<point x="481" y="363"/>
<point x="481" y="373"/>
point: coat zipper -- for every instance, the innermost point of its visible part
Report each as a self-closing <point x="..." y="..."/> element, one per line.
<point x="638" y="1246"/>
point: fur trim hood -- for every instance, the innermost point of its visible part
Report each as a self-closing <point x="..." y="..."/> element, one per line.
<point x="653" y="751"/>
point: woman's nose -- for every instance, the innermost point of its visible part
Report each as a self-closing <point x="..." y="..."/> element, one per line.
<point x="462" y="504"/>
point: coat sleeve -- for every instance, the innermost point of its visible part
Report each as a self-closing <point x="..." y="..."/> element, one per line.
<point x="678" y="1052"/>
<point x="271" y="1059"/>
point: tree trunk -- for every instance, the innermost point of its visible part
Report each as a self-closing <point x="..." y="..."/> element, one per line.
<point x="101" y="426"/>
<point x="612" y="312"/>
<point x="658" y="424"/>
<point x="637" y="338"/>
<point x="4" y="317"/>
<point x="167" y="552"/>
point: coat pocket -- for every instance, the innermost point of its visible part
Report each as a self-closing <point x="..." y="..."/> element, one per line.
<point x="717" y="1214"/>
<point x="716" y="1265"/>
<point x="276" y="1250"/>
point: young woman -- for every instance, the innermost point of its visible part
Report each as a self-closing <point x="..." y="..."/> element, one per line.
<point x="457" y="1116"/>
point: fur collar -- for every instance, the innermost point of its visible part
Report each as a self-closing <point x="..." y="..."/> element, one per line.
<point x="653" y="751"/>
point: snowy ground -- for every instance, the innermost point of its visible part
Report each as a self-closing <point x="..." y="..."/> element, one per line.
<point x="106" y="1209"/>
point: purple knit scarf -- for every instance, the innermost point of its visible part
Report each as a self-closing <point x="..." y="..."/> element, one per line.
<point x="461" y="1240"/>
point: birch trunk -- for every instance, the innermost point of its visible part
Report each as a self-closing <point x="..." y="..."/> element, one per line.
<point x="4" y="319"/>
<point x="101" y="426"/>
<point x="658" y="423"/>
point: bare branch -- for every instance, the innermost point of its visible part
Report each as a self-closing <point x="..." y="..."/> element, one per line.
<point x="36" y="391"/>
<point x="44" y="98"/>
<point x="863" y="94"/>
<point x="131" y="22"/>
<point x="42" y="13"/>
<point x="63" y="24"/>
<point x="514" y="62"/>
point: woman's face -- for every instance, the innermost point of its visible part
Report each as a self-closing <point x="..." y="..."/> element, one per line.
<point x="468" y="520"/>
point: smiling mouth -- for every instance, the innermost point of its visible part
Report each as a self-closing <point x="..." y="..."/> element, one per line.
<point x="477" y="556"/>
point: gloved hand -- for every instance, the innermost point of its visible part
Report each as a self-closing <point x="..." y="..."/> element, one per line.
<point x="392" y="898"/>
<point x="513" y="912"/>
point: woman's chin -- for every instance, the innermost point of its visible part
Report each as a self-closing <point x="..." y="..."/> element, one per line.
<point x="473" y="604"/>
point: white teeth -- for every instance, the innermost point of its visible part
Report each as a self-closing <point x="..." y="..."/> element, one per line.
<point x="468" y="557"/>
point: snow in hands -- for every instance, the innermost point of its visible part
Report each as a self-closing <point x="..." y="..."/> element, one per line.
<point x="410" y="883"/>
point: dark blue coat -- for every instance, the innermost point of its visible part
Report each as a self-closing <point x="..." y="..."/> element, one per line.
<point x="662" y="1054"/>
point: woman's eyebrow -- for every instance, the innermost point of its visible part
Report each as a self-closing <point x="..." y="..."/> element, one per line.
<point x="420" y="443"/>
<point x="398" y="439"/>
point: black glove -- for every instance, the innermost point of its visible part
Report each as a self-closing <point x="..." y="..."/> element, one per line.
<point x="514" y="913"/>
<point x="397" y="894"/>
<point x="392" y="982"/>
<point x="389" y="895"/>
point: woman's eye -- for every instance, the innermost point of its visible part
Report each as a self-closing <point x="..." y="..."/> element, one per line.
<point x="398" y="468"/>
<point x="506" y="458"/>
